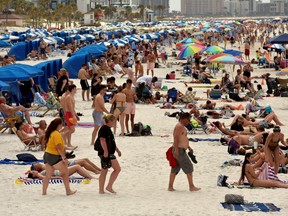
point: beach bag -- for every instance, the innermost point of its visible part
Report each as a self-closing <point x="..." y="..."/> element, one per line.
<point x="234" y="199"/>
<point x="26" y="157"/>
<point x="146" y="131"/>
<point x="233" y="146"/>
<point x="137" y="129"/>
<point x="221" y="180"/>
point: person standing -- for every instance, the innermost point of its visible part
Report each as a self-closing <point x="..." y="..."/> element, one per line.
<point x="247" y="50"/>
<point x="151" y="59"/>
<point x="69" y="113"/>
<point x="43" y="46"/>
<point x="130" y="104"/>
<point x="83" y="75"/>
<point x="54" y="156"/>
<point x="99" y="109"/>
<point x="106" y="153"/>
<point x="180" y="145"/>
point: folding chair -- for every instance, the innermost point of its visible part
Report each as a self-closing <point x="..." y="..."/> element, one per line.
<point x="195" y="126"/>
<point x="50" y="104"/>
<point x="52" y="83"/>
<point x="269" y="61"/>
<point x="29" y="146"/>
<point x="8" y="122"/>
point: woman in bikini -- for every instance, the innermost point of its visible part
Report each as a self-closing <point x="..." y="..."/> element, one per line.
<point x="252" y="176"/>
<point x="120" y="105"/>
<point x="272" y="147"/>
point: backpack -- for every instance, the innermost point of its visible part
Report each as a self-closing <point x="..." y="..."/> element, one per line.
<point x="26" y="157"/>
<point x="233" y="146"/>
<point x="137" y="129"/>
<point x="146" y="131"/>
<point x="221" y="180"/>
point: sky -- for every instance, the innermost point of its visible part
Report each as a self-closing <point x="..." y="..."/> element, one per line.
<point x="175" y="4"/>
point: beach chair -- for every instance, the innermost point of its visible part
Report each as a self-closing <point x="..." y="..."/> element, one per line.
<point x="52" y="83"/>
<point x="194" y="126"/>
<point x="50" y="104"/>
<point x="283" y="83"/>
<point x="216" y="93"/>
<point x="30" y="146"/>
<point x="8" y="122"/>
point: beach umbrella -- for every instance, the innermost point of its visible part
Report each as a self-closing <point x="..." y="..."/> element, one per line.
<point x="32" y="71"/>
<point x="211" y="30"/>
<point x="190" y="50"/>
<point x="225" y="59"/>
<point x="8" y="75"/>
<point x="283" y="72"/>
<point x="189" y="41"/>
<point x="4" y="86"/>
<point x="78" y="37"/>
<point x="233" y="52"/>
<point x="280" y="39"/>
<point x="274" y="47"/>
<point x="213" y="50"/>
<point x="59" y="40"/>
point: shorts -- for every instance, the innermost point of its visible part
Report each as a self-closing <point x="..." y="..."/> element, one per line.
<point x="42" y="51"/>
<point x="247" y="74"/>
<point x="98" y="118"/>
<point x="67" y="116"/>
<point x="51" y="159"/>
<point x="247" y="52"/>
<point x="150" y="65"/>
<point x="183" y="162"/>
<point x="84" y="84"/>
<point x="130" y="108"/>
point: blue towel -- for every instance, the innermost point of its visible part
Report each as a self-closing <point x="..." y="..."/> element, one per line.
<point x="16" y="162"/>
<point x="253" y="206"/>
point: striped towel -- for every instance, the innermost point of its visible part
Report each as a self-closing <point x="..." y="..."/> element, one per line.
<point x="29" y="181"/>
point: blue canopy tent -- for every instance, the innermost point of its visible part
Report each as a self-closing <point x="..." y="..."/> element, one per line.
<point x="12" y="75"/>
<point x="74" y="63"/>
<point x="4" y="86"/>
<point x="19" y="51"/>
<point x="4" y="44"/>
<point x="50" y="69"/>
<point x="32" y="71"/>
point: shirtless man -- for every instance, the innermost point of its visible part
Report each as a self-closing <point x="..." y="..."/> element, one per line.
<point x="10" y="111"/>
<point x="130" y="104"/>
<point x="83" y="75"/>
<point x="151" y="59"/>
<point x="98" y="112"/>
<point x="69" y="112"/>
<point x="180" y="145"/>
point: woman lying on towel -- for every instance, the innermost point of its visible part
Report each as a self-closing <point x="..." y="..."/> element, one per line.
<point x="253" y="176"/>
<point x="38" y="171"/>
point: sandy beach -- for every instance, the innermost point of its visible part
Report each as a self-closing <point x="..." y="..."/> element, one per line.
<point x="142" y="184"/>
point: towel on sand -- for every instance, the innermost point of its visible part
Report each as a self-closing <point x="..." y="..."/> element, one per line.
<point x="253" y="206"/>
<point x="16" y="162"/>
<point x="29" y="181"/>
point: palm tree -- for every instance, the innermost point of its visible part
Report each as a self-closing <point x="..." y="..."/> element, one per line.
<point x="4" y="4"/>
<point x="128" y="12"/>
<point x="109" y="11"/>
<point x="142" y="8"/>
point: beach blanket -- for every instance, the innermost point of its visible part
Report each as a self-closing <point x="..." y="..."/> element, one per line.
<point x="203" y="139"/>
<point x="251" y="207"/>
<point x="29" y="181"/>
<point x="16" y="162"/>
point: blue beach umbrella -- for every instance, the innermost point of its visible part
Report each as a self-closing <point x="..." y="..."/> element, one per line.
<point x="4" y="44"/>
<point x="4" y="86"/>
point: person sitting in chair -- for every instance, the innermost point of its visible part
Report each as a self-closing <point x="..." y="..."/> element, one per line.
<point x="11" y="111"/>
<point x="26" y="137"/>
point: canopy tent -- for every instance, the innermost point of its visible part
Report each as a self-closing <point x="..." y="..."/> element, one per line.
<point x="74" y="63"/>
<point x="4" y="86"/>
<point x="19" y="51"/>
<point x="93" y="49"/>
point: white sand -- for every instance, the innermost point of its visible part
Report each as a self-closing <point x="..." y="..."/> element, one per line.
<point x="142" y="184"/>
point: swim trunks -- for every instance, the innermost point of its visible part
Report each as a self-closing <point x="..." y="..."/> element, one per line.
<point x="84" y="84"/>
<point x="130" y="108"/>
<point x="67" y="116"/>
<point x="183" y="162"/>
<point x="98" y="118"/>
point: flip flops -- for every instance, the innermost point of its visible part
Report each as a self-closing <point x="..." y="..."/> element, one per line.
<point x="192" y="156"/>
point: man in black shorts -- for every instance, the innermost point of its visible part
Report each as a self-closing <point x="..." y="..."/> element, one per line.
<point x="83" y="75"/>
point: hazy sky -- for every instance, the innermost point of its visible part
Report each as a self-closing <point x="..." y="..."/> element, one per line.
<point x="175" y="4"/>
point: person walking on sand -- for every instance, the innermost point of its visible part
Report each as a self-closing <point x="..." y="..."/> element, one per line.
<point x="69" y="114"/>
<point x="99" y="109"/>
<point x="83" y="75"/>
<point x="180" y="145"/>
<point x="54" y="156"/>
<point x="130" y="105"/>
<point x="106" y="153"/>
<point x="151" y="59"/>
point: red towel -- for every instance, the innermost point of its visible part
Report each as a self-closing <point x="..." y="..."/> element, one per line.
<point x="170" y="158"/>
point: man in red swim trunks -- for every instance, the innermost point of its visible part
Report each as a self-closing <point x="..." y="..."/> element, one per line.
<point x="70" y="114"/>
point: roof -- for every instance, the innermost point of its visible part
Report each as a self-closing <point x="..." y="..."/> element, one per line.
<point x="10" y="16"/>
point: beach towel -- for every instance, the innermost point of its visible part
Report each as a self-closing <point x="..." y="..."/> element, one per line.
<point x="204" y="139"/>
<point x="16" y="162"/>
<point x="73" y="180"/>
<point x="251" y="207"/>
<point x="233" y="162"/>
<point x="170" y="158"/>
<point x="85" y="124"/>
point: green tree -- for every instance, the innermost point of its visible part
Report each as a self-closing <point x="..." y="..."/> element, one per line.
<point x="109" y="11"/>
<point x="128" y="12"/>
<point x="4" y="4"/>
<point x="142" y="8"/>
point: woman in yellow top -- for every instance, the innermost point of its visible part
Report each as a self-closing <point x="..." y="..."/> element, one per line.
<point x="54" y="156"/>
